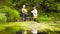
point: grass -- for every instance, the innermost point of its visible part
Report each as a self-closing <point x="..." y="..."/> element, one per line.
<point x="13" y="27"/>
<point x="45" y="19"/>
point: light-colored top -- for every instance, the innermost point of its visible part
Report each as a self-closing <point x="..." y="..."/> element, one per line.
<point x="34" y="12"/>
<point x="22" y="10"/>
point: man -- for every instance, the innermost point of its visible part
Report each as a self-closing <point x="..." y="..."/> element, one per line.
<point x="35" y="15"/>
<point x="24" y="13"/>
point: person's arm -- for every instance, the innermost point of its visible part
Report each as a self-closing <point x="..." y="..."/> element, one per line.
<point x="22" y="10"/>
<point x="32" y="11"/>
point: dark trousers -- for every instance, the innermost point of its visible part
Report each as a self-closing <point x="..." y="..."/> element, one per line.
<point x="24" y="17"/>
<point x="35" y="20"/>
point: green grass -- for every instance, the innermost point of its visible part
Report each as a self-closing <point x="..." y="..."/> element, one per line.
<point x="13" y="27"/>
<point x="44" y="19"/>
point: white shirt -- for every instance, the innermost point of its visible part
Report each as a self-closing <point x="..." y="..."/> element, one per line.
<point x="22" y="10"/>
<point x="34" y="12"/>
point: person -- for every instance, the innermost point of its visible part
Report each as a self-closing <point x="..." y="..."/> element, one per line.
<point x="24" y="12"/>
<point x="34" y="31"/>
<point x="35" y="15"/>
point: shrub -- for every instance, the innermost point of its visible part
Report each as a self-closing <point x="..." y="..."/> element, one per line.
<point x="2" y="18"/>
<point x="44" y="19"/>
<point x="12" y="14"/>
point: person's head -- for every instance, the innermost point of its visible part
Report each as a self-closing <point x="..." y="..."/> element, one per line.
<point x="24" y="6"/>
<point x="34" y="7"/>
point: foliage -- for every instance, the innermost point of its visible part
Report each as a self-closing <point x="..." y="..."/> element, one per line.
<point x="44" y="19"/>
<point x="3" y="18"/>
<point x="11" y="13"/>
<point x="45" y="7"/>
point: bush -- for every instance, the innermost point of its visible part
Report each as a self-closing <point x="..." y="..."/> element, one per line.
<point x="2" y="18"/>
<point x="12" y="14"/>
<point x="44" y="19"/>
